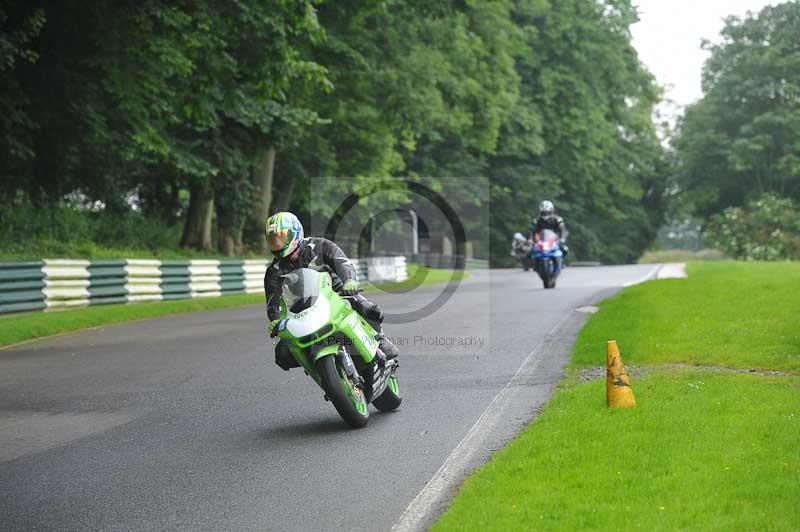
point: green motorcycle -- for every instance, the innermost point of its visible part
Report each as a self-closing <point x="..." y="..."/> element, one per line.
<point x="336" y="346"/>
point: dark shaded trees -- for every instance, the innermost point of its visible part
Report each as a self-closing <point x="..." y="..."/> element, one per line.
<point x="211" y="114"/>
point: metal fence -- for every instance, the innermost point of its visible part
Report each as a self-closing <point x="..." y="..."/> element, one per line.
<point x="63" y="283"/>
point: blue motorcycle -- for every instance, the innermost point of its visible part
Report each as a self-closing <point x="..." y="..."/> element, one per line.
<point x="547" y="257"/>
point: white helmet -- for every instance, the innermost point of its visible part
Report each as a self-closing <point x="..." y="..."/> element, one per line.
<point x="546" y="208"/>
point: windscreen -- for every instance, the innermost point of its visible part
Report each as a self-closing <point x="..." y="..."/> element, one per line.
<point x="300" y="289"/>
<point x="549" y="236"/>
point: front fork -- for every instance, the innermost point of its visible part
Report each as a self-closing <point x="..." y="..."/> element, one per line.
<point x="348" y="366"/>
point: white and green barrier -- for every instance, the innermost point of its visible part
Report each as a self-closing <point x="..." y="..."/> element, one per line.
<point x="63" y="283"/>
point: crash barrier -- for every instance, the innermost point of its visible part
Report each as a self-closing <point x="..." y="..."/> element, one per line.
<point x="436" y="260"/>
<point x="52" y="284"/>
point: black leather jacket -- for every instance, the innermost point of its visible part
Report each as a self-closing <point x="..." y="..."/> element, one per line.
<point x="316" y="253"/>
<point x="553" y="222"/>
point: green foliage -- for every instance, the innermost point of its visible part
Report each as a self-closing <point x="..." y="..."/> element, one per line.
<point x="62" y="230"/>
<point x="740" y="140"/>
<point x="581" y="133"/>
<point x="767" y="228"/>
<point x="150" y="100"/>
<point x="17" y="31"/>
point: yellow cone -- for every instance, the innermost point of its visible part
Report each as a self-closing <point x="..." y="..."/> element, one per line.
<point x="619" y="393"/>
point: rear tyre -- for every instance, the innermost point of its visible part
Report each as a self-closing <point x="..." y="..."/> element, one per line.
<point x="390" y="399"/>
<point x="347" y="398"/>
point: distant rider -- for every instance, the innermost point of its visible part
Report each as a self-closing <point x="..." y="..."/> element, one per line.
<point x="291" y="251"/>
<point x="521" y="249"/>
<point x="548" y="219"/>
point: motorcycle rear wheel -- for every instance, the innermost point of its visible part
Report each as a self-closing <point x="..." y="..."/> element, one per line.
<point x="390" y="399"/>
<point x="348" y="399"/>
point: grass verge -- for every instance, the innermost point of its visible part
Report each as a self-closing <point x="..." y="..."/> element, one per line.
<point x="18" y="328"/>
<point x="703" y="450"/>
<point x="734" y="314"/>
<point x="22" y="327"/>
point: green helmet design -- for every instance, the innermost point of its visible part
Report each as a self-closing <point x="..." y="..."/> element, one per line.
<point x="284" y="233"/>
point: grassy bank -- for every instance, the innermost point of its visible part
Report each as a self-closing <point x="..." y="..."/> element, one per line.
<point x="18" y="328"/>
<point x="21" y="327"/>
<point x="735" y="314"/>
<point x="704" y="450"/>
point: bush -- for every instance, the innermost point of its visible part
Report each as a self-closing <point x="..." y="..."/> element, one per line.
<point x="768" y="228"/>
<point x="65" y="231"/>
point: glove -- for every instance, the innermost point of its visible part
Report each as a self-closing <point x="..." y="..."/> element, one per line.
<point x="350" y="287"/>
<point x="273" y="328"/>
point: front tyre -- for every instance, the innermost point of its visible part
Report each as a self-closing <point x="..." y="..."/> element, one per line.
<point x="347" y="398"/>
<point x="390" y="399"/>
<point x="546" y="275"/>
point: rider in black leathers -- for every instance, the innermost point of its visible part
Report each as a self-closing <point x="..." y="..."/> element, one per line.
<point x="549" y="220"/>
<point x="320" y="254"/>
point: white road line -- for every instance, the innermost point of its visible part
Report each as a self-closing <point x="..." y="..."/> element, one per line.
<point x="651" y="274"/>
<point x="455" y="467"/>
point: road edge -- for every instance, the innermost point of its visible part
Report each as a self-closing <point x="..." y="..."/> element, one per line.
<point x="511" y="410"/>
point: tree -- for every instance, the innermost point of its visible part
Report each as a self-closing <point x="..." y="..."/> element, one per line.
<point x="740" y="140"/>
<point x="236" y="106"/>
<point x="581" y="133"/>
<point x="18" y="28"/>
<point x="207" y="94"/>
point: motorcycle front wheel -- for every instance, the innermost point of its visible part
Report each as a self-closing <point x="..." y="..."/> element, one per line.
<point x="347" y="398"/>
<point x="545" y="274"/>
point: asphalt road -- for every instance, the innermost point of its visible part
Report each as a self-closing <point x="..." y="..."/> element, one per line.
<point x="185" y="423"/>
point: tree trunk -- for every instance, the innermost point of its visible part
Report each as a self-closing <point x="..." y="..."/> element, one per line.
<point x="227" y="241"/>
<point x="262" y="193"/>
<point x="197" y="231"/>
<point x="239" y="243"/>
<point x="283" y="197"/>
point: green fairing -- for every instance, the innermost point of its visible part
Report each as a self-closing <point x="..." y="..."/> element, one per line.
<point x="343" y="320"/>
<point x="322" y="316"/>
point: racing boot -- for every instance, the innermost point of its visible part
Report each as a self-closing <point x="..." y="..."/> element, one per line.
<point x="388" y="348"/>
